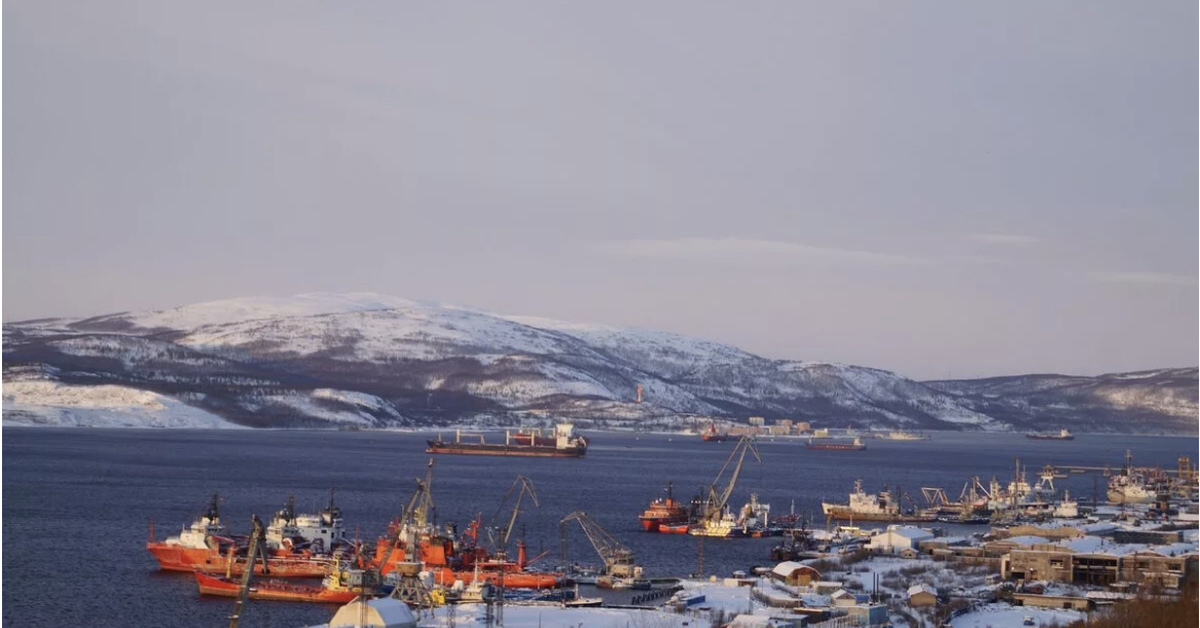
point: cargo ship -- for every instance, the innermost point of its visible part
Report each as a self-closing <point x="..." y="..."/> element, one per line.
<point x="1063" y="434"/>
<point x="665" y="511"/>
<point x="854" y="445"/>
<point x="339" y="587"/>
<point x="563" y="444"/>
<point x="868" y="507"/>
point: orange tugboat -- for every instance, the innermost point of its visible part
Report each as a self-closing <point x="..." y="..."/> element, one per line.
<point x="664" y="511"/>
<point x="339" y="587"/>
<point x="206" y="545"/>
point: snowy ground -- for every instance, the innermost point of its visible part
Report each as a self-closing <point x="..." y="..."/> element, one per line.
<point x="1005" y="616"/>
<point x="51" y="404"/>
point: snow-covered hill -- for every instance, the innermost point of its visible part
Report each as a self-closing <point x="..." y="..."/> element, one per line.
<point x="374" y="360"/>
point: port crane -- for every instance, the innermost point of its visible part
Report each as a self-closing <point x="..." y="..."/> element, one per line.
<point x="256" y="551"/>
<point x="618" y="559"/>
<point x="715" y="502"/>
<point x="499" y="537"/>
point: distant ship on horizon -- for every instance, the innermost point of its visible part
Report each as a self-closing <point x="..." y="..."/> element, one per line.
<point x="1063" y="434"/>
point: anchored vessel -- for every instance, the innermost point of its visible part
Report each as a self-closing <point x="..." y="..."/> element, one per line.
<point x="301" y="546"/>
<point x="563" y="444"/>
<point x="869" y="507"/>
<point x="1063" y="434"/>
<point x="337" y="587"/>
<point x="853" y="445"/>
<point x="665" y="512"/>
<point x="711" y="435"/>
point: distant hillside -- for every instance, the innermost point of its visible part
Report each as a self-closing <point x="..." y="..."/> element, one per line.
<point x="326" y="360"/>
<point x="1159" y="401"/>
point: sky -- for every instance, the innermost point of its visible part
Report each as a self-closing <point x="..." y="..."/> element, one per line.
<point x="941" y="189"/>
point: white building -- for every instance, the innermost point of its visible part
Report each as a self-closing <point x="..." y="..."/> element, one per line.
<point x="896" y="539"/>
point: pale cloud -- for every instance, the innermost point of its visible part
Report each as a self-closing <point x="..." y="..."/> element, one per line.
<point x="1147" y="278"/>
<point x="750" y="251"/>
<point x="1009" y="239"/>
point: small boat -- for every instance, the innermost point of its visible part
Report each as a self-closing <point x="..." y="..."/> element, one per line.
<point x="679" y="528"/>
<point x="854" y="445"/>
<point x="1063" y="434"/>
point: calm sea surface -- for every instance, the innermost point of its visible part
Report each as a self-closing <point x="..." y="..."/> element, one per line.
<point x="76" y="502"/>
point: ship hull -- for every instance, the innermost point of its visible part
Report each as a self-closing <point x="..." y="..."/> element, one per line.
<point x="273" y="590"/>
<point x="845" y="514"/>
<point x="176" y="558"/>
<point x="1046" y="437"/>
<point x="509" y="579"/>
<point x="475" y="449"/>
<point x="1121" y="497"/>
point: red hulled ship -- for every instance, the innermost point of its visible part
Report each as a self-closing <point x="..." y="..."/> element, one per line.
<point x="665" y="512"/>
<point x="339" y="587"/>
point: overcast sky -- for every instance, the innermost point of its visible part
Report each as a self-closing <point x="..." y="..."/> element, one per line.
<point x="943" y="189"/>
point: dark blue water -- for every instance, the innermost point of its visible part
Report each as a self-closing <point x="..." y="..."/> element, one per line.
<point x="77" y="501"/>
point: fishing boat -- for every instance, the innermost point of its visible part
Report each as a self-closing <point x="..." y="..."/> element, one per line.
<point x="1062" y="434"/>
<point x="664" y="511"/>
<point x="563" y="444"/>
<point x="870" y="507"/>
<point x="854" y="445"/>
<point x="339" y="587"/>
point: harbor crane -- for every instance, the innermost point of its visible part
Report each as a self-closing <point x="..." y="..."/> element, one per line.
<point x="256" y="551"/>
<point x="715" y="502"/>
<point x="521" y="487"/>
<point x="618" y="559"/>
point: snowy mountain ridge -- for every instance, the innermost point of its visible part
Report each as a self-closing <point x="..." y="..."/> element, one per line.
<point x="322" y="360"/>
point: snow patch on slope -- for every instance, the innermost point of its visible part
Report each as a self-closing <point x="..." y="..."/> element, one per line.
<point x="49" y="403"/>
<point x="335" y="406"/>
<point x="228" y="311"/>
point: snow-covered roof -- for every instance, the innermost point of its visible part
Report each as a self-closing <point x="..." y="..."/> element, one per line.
<point x="1098" y="527"/>
<point x="753" y="621"/>
<point x="921" y="588"/>
<point x="786" y="568"/>
<point x="910" y="532"/>
<point x="841" y="594"/>
<point x="1097" y="545"/>
<point x="1085" y="544"/>
<point x="383" y="612"/>
<point x="1027" y="540"/>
